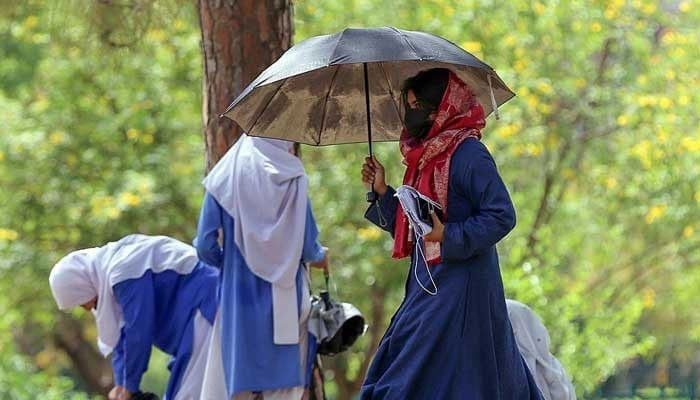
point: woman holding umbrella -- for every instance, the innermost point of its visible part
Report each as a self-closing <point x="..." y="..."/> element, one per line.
<point x="451" y="337"/>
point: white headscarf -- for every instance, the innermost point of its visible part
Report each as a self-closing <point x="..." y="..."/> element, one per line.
<point x="264" y="189"/>
<point x="85" y="274"/>
<point x="533" y="342"/>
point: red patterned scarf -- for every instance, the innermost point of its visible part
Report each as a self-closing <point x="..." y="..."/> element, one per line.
<point x="460" y="116"/>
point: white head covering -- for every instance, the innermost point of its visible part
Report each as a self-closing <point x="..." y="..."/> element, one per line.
<point x="85" y="274"/>
<point x="264" y="189"/>
<point x="533" y="342"/>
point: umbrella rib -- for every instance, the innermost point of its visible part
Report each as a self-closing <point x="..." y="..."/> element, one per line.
<point x="391" y="92"/>
<point x="408" y="42"/>
<point x="267" y="105"/>
<point x="325" y="105"/>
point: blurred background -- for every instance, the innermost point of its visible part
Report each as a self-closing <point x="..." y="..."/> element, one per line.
<point x="101" y="135"/>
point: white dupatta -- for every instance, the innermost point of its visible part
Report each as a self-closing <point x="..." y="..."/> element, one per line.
<point x="85" y="274"/>
<point x="263" y="187"/>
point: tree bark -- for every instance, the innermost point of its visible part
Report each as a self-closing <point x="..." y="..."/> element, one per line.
<point x="240" y="38"/>
<point x="91" y="366"/>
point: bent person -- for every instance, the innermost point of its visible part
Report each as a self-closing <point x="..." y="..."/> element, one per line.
<point x="144" y="291"/>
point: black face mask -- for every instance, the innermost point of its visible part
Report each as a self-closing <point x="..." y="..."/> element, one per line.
<point x="417" y="122"/>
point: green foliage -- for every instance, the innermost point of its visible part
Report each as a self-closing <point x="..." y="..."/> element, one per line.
<point x="600" y="151"/>
<point x="92" y="154"/>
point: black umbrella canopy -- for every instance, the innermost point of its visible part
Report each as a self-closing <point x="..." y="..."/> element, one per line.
<point x="315" y="93"/>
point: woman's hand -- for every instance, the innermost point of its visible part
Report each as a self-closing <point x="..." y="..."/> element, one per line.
<point x="323" y="264"/>
<point x="373" y="171"/>
<point x="438" y="231"/>
<point x="119" y="393"/>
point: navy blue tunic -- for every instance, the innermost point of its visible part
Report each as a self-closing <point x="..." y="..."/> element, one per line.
<point x="458" y="344"/>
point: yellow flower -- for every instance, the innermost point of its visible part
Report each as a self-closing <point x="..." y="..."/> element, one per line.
<point x="579" y="83"/>
<point x="369" y="233"/>
<point x="545" y="88"/>
<point x="684" y="6"/>
<point x="507" y="131"/>
<point x="691" y="144"/>
<point x="665" y="103"/>
<point x="646" y="100"/>
<point x="448" y="11"/>
<point x="688" y="231"/>
<point x="41" y="104"/>
<point x="544" y="108"/>
<point x="617" y="4"/>
<point x="156" y="35"/>
<point x="100" y="203"/>
<point x="642" y="151"/>
<point x="510" y="40"/>
<point x="8" y="234"/>
<point x="520" y="65"/>
<point x="179" y="24"/>
<point x="130" y="199"/>
<point x="2" y="156"/>
<point x="539" y="8"/>
<point x="534" y="149"/>
<point x="678" y="52"/>
<point x="655" y="213"/>
<point x="611" y="183"/>
<point x="472" y="47"/>
<point x="56" y="137"/>
<point x="31" y="22"/>
<point x="596" y="27"/>
<point x="697" y="196"/>
<point x="610" y="13"/>
<point x="623" y="120"/>
<point x="670" y="75"/>
<point x="649" y="8"/>
<point x="648" y="297"/>
<point x="147" y="139"/>
<point x="133" y="133"/>
<point x="532" y="101"/>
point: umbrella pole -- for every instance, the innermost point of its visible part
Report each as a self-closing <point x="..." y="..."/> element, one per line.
<point x="372" y="195"/>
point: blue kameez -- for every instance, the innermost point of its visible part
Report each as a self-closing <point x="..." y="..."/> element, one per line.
<point x="458" y="344"/>
<point x="159" y="310"/>
<point x="252" y="362"/>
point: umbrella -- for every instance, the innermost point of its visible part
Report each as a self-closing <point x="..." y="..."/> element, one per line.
<point x="345" y="87"/>
<point x="335" y="325"/>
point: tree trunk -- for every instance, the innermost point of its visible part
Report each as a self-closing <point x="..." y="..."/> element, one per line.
<point x="92" y="367"/>
<point x="240" y="38"/>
